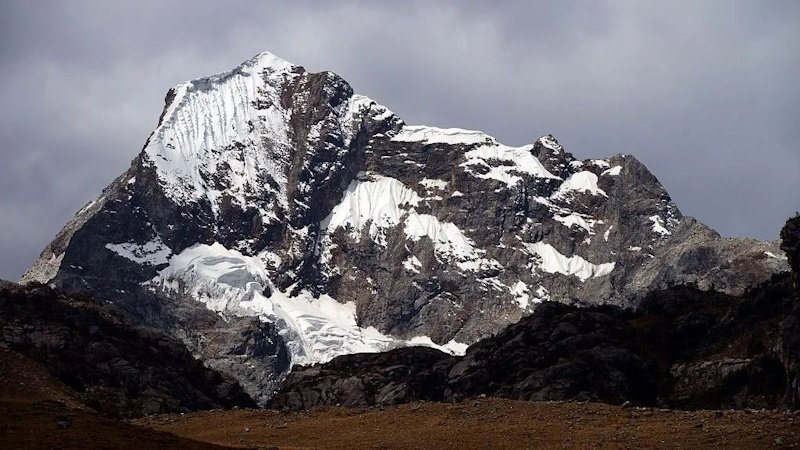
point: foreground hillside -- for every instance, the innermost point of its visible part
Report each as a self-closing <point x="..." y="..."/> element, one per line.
<point x="102" y="361"/>
<point x="38" y="411"/>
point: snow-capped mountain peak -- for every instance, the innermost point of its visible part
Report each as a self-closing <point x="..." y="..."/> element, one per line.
<point x="273" y="213"/>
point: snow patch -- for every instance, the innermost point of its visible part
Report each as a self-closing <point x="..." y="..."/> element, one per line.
<point x="773" y="255"/>
<point x="658" y="226"/>
<point x="542" y="295"/>
<point x="521" y="294"/>
<point x="452" y="347"/>
<point x="583" y="181"/>
<point x="614" y="171"/>
<point x="217" y="119"/>
<point x="433" y="135"/>
<point x="152" y="253"/>
<point x="577" y="220"/>
<point x="448" y="240"/>
<point x="552" y="261"/>
<point x="504" y="163"/>
<point x="433" y="184"/>
<point x="356" y="107"/>
<point x="412" y="264"/>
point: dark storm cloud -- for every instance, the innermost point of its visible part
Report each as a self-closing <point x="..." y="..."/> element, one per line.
<point x="704" y="93"/>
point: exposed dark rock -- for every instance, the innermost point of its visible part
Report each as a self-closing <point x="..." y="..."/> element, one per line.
<point x="114" y="367"/>
<point x="560" y="352"/>
<point x="683" y="348"/>
<point x="398" y="376"/>
<point x="790" y="242"/>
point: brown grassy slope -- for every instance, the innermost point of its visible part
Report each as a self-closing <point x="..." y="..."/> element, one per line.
<point x="487" y="423"/>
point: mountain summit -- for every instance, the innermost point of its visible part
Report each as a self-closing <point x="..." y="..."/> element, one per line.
<point x="274" y="217"/>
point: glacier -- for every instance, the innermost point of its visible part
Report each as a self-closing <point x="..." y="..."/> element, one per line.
<point x="315" y="329"/>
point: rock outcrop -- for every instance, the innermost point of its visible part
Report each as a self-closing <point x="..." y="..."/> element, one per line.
<point x="112" y="366"/>
<point x="790" y="243"/>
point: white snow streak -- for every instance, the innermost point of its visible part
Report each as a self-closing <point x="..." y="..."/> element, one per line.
<point x="578" y="220"/>
<point x="583" y="181"/>
<point x="505" y="163"/>
<point x="433" y="184"/>
<point x="551" y="261"/>
<point x="153" y="253"/>
<point x="773" y="255"/>
<point x="433" y="135"/>
<point x="412" y="264"/>
<point x="658" y="226"/>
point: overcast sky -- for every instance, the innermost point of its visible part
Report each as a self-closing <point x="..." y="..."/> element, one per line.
<point x="706" y="94"/>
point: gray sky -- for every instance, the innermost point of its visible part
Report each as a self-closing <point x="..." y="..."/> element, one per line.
<point x="704" y="93"/>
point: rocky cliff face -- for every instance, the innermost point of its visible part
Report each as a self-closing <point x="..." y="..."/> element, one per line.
<point x="274" y="217"/>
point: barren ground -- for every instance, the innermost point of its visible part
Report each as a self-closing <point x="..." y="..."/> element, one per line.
<point x="487" y="423"/>
<point x="37" y="411"/>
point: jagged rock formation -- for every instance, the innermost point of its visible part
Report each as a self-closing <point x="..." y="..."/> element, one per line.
<point x="684" y="348"/>
<point x="790" y="243"/>
<point x="274" y="217"/>
<point x="111" y="366"/>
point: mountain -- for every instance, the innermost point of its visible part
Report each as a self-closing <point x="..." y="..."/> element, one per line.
<point x="274" y="218"/>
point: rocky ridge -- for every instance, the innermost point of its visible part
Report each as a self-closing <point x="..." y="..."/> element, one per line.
<point x="103" y="361"/>
<point x="274" y="217"/>
<point x="683" y="349"/>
